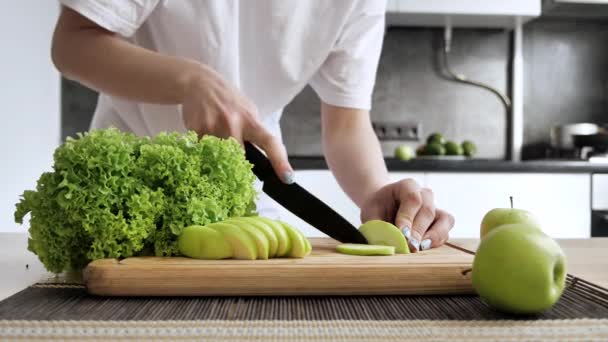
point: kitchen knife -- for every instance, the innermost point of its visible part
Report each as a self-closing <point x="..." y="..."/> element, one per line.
<point x="301" y="202"/>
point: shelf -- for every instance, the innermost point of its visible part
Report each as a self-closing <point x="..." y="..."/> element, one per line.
<point x="462" y="13"/>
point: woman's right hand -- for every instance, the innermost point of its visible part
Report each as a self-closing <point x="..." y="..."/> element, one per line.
<point x="212" y="106"/>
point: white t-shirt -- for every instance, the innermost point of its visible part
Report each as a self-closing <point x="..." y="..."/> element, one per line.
<point x="269" y="49"/>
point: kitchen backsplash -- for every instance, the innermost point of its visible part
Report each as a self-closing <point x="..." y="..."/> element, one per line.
<point x="566" y="65"/>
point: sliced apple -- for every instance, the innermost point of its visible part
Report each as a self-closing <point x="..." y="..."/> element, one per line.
<point x="379" y="232"/>
<point x="284" y="242"/>
<point x="361" y="249"/>
<point x="298" y="246"/>
<point x="243" y="246"/>
<point x="203" y="243"/>
<point x="258" y="237"/>
<point x="273" y="243"/>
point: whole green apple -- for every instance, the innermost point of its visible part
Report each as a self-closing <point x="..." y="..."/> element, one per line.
<point x="404" y="152"/>
<point x="501" y="216"/>
<point x="518" y="269"/>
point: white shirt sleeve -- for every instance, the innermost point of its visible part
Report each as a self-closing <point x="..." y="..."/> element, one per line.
<point x="348" y="75"/>
<point x="121" y="16"/>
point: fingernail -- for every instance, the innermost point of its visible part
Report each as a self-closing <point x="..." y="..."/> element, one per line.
<point x="415" y="244"/>
<point x="288" y="177"/>
<point x="425" y="244"/>
<point x="407" y="232"/>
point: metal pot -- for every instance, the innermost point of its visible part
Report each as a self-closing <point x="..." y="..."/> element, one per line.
<point x="562" y="135"/>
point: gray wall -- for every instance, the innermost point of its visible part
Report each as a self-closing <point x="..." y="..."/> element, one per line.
<point x="566" y="63"/>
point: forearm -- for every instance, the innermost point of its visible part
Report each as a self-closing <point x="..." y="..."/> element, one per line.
<point x="103" y="61"/>
<point x="353" y="152"/>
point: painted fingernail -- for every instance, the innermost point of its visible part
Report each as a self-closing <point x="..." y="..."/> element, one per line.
<point x="407" y="232"/>
<point x="415" y="244"/>
<point x="289" y="177"/>
<point x="425" y="244"/>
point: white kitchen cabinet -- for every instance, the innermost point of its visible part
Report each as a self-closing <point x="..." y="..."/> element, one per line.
<point x="461" y="13"/>
<point x="322" y="184"/>
<point x="561" y="202"/>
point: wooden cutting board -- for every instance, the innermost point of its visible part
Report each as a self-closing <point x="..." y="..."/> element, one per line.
<point x="444" y="270"/>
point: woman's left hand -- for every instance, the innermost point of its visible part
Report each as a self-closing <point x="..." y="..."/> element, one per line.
<point x="411" y="208"/>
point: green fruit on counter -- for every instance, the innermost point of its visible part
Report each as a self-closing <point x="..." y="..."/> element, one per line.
<point x="284" y="242"/>
<point x="469" y="149"/>
<point x="298" y="245"/>
<point x="501" y="216"/>
<point x="435" y="138"/>
<point x="203" y="243"/>
<point x="243" y="246"/>
<point x="404" y="152"/>
<point x="434" y="149"/>
<point x="273" y="243"/>
<point x="361" y="249"/>
<point x="518" y="269"/>
<point x="379" y="232"/>
<point x="258" y="237"/>
<point x="453" y="149"/>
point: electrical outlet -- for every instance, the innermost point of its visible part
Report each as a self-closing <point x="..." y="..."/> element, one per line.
<point x="397" y="131"/>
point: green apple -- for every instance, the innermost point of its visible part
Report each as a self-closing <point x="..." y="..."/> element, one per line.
<point x="243" y="246"/>
<point x="284" y="243"/>
<point x="404" y="152"/>
<point x="500" y="216"/>
<point x="518" y="269"/>
<point x="378" y="232"/>
<point x="298" y="246"/>
<point x="308" y="245"/>
<point x="203" y="243"/>
<point x="453" y="149"/>
<point x="468" y="148"/>
<point x="361" y="249"/>
<point x="257" y="234"/>
<point x="273" y="243"/>
<point x="261" y="242"/>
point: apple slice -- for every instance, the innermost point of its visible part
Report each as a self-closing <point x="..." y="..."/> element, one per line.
<point x="284" y="242"/>
<point x="258" y="237"/>
<point x="273" y="243"/>
<point x="298" y="246"/>
<point x="379" y="232"/>
<point x="361" y="249"/>
<point x="203" y="243"/>
<point x="243" y="246"/>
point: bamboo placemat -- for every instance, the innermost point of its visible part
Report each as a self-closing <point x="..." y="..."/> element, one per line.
<point x="268" y="331"/>
<point x="66" y="311"/>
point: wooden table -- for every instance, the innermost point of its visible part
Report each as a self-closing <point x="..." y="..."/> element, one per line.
<point x="587" y="259"/>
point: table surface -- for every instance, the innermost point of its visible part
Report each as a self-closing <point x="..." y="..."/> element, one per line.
<point x="587" y="259"/>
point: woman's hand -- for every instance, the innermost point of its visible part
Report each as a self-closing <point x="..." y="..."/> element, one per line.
<point x="212" y="106"/>
<point x="411" y="208"/>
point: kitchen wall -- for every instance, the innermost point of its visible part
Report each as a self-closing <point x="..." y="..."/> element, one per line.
<point x="30" y="101"/>
<point x="566" y="65"/>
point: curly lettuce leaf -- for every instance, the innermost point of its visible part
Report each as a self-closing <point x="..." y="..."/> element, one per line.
<point x="115" y="195"/>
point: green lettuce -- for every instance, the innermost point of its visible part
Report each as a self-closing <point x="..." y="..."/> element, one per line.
<point x="114" y="195"/>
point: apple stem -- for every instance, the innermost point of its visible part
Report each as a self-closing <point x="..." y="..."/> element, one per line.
<point x="511" y="199"/>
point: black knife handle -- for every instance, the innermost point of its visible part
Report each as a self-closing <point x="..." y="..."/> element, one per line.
<point x="262" y="167"/>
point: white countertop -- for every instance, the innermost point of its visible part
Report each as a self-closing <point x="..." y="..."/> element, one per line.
<point x="19" y="267"/>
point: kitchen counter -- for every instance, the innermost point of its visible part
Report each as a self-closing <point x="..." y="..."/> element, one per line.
<point x="587" y="259"/>
<point x="472" y="165"/>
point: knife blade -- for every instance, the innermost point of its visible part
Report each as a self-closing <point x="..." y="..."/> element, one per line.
<point x="300" y="202"/>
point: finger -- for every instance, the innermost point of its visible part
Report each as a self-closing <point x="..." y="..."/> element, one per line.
<point x="407" y="194"/>
<point x="439" y="231"/>
<point x="423" y="219"/>
<point x="377" y="209"/>
<point x="231" y="126"/>
<point x="275" y="150"/>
